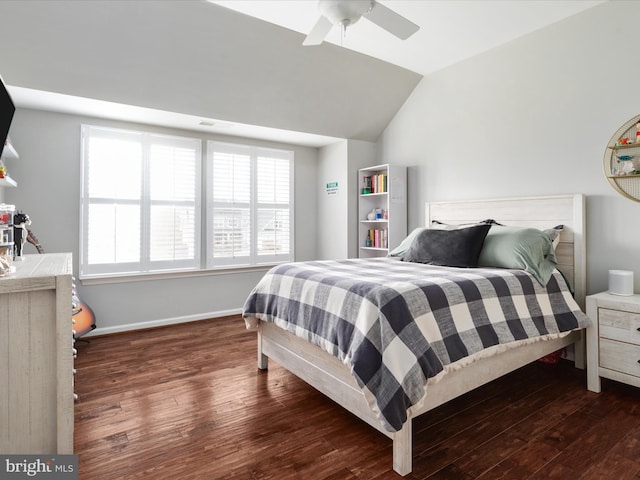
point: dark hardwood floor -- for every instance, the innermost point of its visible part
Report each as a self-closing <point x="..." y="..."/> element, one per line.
<point x="188" y="402"/>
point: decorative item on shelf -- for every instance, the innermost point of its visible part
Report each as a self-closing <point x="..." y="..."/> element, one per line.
<point x="20" y="223"/>
<point x="371" y="215"/>
<point x="3" y="170"/>
<point x="6" y="239"/>
<point x="621" y="160"/>
<point x="5" y="262"/>
<point x="626" y="167"/>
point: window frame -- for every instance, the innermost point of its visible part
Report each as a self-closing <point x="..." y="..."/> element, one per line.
<point x="254" y="152"/>
<point x="203" y="262"/>
<point x="145" y="266"/>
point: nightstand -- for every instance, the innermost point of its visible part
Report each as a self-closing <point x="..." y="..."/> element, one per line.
<point x="613" y="341"/>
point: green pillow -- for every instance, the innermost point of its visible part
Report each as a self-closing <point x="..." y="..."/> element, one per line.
<point x="527" y="249"/>
<point x="406" y="243"/>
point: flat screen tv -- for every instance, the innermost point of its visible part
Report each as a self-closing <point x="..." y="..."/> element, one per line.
<point x="7" y="109"/>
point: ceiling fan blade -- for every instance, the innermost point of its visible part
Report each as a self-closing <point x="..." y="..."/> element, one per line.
<point x="391" y="21"/>
<point x="318" y="32"/>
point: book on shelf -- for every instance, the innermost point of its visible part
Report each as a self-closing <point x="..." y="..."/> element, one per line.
<point x="366" y="185"/>
<point x="375" y="183"/>
<point x="377" y="238"/>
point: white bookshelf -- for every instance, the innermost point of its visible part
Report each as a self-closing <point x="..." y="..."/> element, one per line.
<point x="392" y="199"/>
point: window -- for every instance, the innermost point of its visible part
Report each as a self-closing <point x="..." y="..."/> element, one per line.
<point x="140" y="205"/>
<point x="249" y="205"/>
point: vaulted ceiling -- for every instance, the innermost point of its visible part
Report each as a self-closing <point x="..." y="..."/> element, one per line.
<point x="450" y="30"/>
<point x="201" y="60"/>
<point x="243" y="68"/>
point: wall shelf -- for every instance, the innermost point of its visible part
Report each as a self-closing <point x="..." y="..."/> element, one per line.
<point x="373" y="194"/>
<point x="624" y="147"/>
<point x="7" y="181"/>
<point x="627" y="184"/>
<point x="9" y="153"/>
<point x="629" y="175"/>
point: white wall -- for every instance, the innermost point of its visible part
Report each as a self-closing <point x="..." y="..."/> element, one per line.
<point x="532" y="117"/>
<point x="48" y="175"/>
<point x="361" y="154"/>
<point x="338" y="213"/>
<point x="333" y="215"/>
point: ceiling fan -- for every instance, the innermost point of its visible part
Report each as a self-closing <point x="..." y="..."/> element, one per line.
<point x="348" y="12"/>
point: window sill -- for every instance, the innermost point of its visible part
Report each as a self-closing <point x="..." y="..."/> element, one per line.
<point x="142" y="277"/>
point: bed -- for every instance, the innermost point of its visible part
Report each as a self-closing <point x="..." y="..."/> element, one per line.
<point x="341" y="373"/>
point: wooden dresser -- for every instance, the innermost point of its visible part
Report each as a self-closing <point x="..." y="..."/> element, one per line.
<point x="36" y="357"/>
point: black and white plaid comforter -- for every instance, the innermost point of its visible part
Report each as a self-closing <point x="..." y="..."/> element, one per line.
<point x="396" y="324"/>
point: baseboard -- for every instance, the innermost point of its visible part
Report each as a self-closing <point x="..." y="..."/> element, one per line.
<point x="161" y="322"/>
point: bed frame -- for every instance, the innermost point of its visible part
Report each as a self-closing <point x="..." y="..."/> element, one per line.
<point x="328" y="375"/>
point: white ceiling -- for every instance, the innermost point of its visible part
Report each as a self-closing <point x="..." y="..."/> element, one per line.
<point x="450" y="30"/>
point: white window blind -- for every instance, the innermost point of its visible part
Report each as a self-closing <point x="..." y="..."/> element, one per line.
<point x="140" y="202"/>
<point x="249" y="205"/>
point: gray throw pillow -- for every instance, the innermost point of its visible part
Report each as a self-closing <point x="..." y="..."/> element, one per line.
<point x="453" y="248"/>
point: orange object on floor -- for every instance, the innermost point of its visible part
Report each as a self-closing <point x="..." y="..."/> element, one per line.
<point x="84" y="319"/>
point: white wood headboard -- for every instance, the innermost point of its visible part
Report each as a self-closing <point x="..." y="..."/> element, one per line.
<point x="537" y="212"/>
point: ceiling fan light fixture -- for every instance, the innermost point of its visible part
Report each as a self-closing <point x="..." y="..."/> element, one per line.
<point x="347" y="12"/>
<point x="344" y="13"/>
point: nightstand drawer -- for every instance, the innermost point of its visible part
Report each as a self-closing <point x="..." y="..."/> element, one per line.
<point x="620" y="356"/>
<point x="619" y="325"/>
